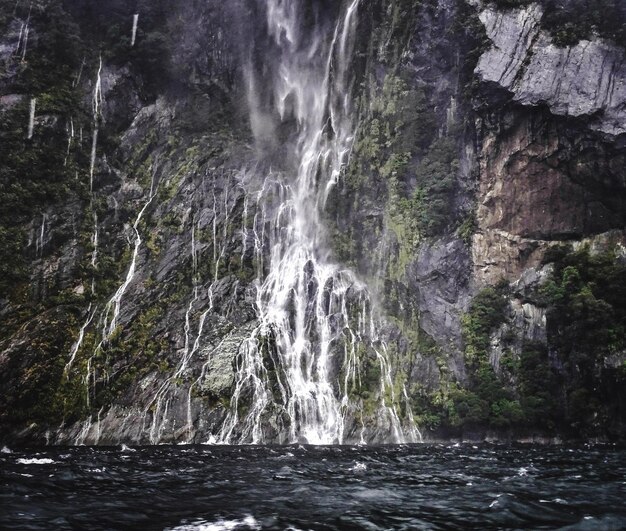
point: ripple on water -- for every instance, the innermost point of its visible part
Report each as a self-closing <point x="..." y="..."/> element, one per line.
<point x="425" y="487"/>
<point x="248" y="522"/>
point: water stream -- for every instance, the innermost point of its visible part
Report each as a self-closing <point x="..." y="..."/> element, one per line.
<point x="316" y="369"/>
<point x="312" y="312"/>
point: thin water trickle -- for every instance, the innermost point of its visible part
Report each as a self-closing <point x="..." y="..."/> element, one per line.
<point x="134" y="32"/>
<point x="97" y="100"/>
<point x="31" y="118"/>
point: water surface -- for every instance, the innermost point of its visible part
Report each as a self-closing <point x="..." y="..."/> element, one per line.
<point x="294" y="487"/>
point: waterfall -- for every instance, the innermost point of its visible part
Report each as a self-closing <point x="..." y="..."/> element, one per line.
<point x="114" y="305"/>
<point x="41" y="238"/>
<point x="158" y="408"/>
<point x="24" y="31"/>
<point x="31" y="118"/>
<point x="70" y="138"/>
<point x="94" y="241"/>
<point x="134" y="33"/>
<point x="97" y="100"/>
<point x="79" y="75"/>
<point x="313" y="314"/>
<point x="78" y="343"/>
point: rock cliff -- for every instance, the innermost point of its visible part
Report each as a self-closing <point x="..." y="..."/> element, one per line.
<point x="479" y="220"/>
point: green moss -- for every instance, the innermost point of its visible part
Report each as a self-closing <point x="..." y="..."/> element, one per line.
<point x="154" y="242"/>
<point x="436" y="178"/>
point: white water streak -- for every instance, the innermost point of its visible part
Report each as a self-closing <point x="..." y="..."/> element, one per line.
<point x="70" y="138"/>
<point x="25" y="42"/>
<point x="94" y="241"/>
<point x="96" y="102"/>
<point x="224" y="204"/>
<point x="114" y="305"/>
<point x="41" y="237"/>
<point x="304" y="301"/>
<point x="134" y="33"/>
<point x="31" y="118"/>
<point x="81" y="335"/>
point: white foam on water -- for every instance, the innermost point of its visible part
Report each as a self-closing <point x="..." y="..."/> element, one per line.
<point x="35" y="461"/>
<point x="285" y="456"/>
<point x="359" y="467"/>
<point x="249" y="522"/>
<point x="6" y="450"/>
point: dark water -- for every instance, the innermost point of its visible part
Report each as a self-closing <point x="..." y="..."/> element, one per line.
<point x="397" y="487"/>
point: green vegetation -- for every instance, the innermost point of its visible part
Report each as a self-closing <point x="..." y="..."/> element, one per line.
<point x="520" y="395"/>
<point x="570" y="21"/>
<point x="397" y="149"/>
<point x="436" y="183"/>
<point x="39" y="172"/>
<point x="487" y="400"/>
<point x="574" y="384"/>
<point x="487" y="312"/>
<point x="586" y="298"/>
<point x="132" y="354"/>
<point x="40" y="394"/>
<point x="403" y="156"/>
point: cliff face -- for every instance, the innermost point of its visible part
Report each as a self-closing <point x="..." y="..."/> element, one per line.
<point x="551" y="166"/>
<point x="479" y="223"/>
<point x="550" y="135"/>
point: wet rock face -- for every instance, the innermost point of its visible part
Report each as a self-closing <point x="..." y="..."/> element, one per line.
<point x="544" y="180"/>
<point x="551" y="152"/>
<point x="588" y="79"/>
<point x="538" y="158"/>
<point x="439" y="279"/>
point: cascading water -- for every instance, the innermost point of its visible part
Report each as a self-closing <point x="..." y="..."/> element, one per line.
<point x="313" y="314"/>
<point x="134" y="31"/>
<point x="31" y="118"/>
<point x="316" y="368"/>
